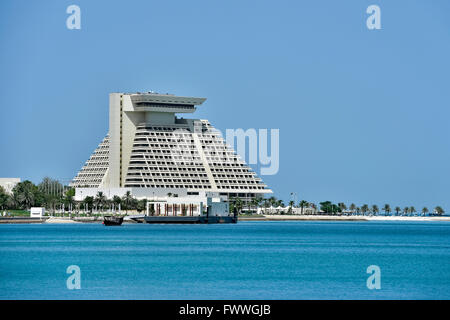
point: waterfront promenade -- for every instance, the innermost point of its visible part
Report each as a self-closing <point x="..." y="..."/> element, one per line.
<point x="61" y="220"/>
<point x="339" y="218"/>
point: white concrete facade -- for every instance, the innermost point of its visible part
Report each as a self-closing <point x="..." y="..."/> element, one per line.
<point x="189" y="206"/>
<point x="37" y="212"/>
<point x="9" y="183"/>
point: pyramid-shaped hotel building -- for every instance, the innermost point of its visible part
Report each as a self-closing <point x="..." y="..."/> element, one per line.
<point x="150" y="151"/>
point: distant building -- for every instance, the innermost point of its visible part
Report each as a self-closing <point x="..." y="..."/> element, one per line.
<point x="9" y="183"/>
<point x="189" y="205"/>
<point x="37" y="212"/>
<point x="149" y="151"/>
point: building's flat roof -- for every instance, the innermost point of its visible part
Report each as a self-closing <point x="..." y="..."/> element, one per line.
<point x="10" y="179"/>
<point x="165" y="99"/>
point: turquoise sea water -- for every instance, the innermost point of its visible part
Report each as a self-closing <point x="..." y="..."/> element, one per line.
<point x="249" y="260"/>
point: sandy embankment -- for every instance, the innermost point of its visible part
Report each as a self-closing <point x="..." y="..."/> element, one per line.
<point x="339" y="218"/>
<point x="394" y="218"/>
<point x="60" y="220"/>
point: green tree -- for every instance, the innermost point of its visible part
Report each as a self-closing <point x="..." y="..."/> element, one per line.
<point x="13" y="201"/>
<point x="412" y="210"/>
<point x="24" y="193"/>
<point x="387" y="209"/>
<point x="405" y="210"/>
<point x="439" y="211"/>
<point x="127" y="200"/>
<point x="50" y="193"/>
<point x="4" y="197"/>
<point x="273" y="201"/>
<point x="364" y="209"/>
<point x="116" y="200"/>
<point x="352" y="208"/>
<point x="255" y="203"/>
<point x="89" y="201"/>
<point x="69" y="197"/>
<point x="266" y="204"/>
<point x="424" y="211"/>
<point x="100" y="200"/>
<point x="141" y="205"/>
<point x="302" y="204"/>
<point x="279" y="203"/>
<point x="342" y="206"/>
<point x="397" y="210"/>
<point x="291" y="204"/>
<point x="375" y="209"/>
<point x="238" y="203"/>
<point x="329" y="207"/>
<point x="231" y="204"/>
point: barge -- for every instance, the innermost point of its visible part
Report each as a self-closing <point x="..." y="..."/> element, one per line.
<point x="206" y="209"/>
<point x="190" y="219"/>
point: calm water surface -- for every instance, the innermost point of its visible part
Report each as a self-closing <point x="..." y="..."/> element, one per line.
<point x="249" y="260"/>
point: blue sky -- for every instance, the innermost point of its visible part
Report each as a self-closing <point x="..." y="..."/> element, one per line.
<point x="363" y="114"/>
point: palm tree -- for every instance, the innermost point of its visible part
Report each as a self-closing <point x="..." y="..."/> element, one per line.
<point x="412" y="210"/>
<point x="352" y="208"/>
<point x="141" y="205"/>
<point x="424" y="211"/>
<point x="100" y="199"/>
<point x="375" y="209"/>
<point x="127" y="200"/>
<point x="255" y="203"/>
<point x="89" y="201"/>
<point x="387" y="209"/>
<point x="266" y="203"/>
<point x="53" y="202"/>
<point x="68" y="198"/>
<point x="3" y="198"/>
<point x="291" y="204"/>
<point x="25" y="194"/>
<point x="397" y="210"/>
<point x="279" y="203"/>
<point x="238" y="204"/>
<point x="116" y="200"/>
<point x="364" y="209"/>
<point x="260" y="202"/>
<point x="342" y="206"/>
<point x="405" y="211"/>
<point x="302" y="204"/>
<point x="439" y="211"/>
<point x="358" y="210"/>
<point x="272" y="201"/>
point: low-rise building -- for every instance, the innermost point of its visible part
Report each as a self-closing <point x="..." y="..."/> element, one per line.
<point x="190" y="205"/>
<point x="9" y="183"/>
<point x="37" y="212"/>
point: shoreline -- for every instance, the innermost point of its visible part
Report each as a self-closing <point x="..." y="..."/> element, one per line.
<point x="79" y="220"/>
<point x="340" y="218"/>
